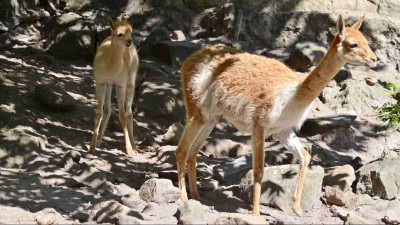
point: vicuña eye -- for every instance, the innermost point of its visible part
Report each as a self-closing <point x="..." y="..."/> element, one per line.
<point x="119" y="35"/>
<point x="353" y="45"/>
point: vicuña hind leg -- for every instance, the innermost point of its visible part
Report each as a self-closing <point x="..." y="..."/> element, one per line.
<point x="292" y="143"/>
<point x="121" y="95"/>
<point x="192" y="156"/>
<point x="192" y="130"/>
<point x="100" y="94"/>
<point x="130" y="93"/>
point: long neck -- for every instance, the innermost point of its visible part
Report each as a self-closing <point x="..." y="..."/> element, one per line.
<point x="116" y="52"/>
<point x="319" y="78"/>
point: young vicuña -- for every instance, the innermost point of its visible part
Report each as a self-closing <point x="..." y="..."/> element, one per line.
<point x="258" y="95"/>
<point x="116" y="63"/>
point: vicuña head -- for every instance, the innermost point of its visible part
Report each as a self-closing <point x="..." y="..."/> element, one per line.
<point x="121" y="32"/>
<point x="353" y="47"/>
<point x="115" y="64"/>
<point x="258" y="95"/>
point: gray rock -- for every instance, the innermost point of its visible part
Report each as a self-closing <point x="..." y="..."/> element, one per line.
<point x="149" y="69"/>
<point x="70" y="36"/>
<point x="158" y="97"/>
<point x="157" y="35"/>
<point x="380" y="178"/>
<point x="132" y="200"/>
<point x="192" y="212"/>
<point x="159" y="191"/>
<point x="175" y="52"/>
<point x="219" y="21"/>
<point x="278" y="186"/>
<point x="169" y="174"/>
<point x="320" y="125"/>
<point x="151" y="209"/>
<point x="342" y="75"/>
<point x="112" y="211"/>
<point x="90" y="176"/>
<point x="306" y="55"/>
<point x="47" y="216"/>
<point x="107" y="188"/>
<point x="23" y="143"/>
<point x="173" y="134"/>
<point x="348" y="199"/>
<point x="54" y="97"/>
<point x="339" y="177"/>
<point x="238" y="218"/>
<point x="355" y="96"/>
<point x="233" y="171"/>
<point x="208" y="185"/>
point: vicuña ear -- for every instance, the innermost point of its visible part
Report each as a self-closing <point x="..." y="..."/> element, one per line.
<point x="358" y="24"/>
<point x="111" y="22"/>
<point x="340" y="26"/>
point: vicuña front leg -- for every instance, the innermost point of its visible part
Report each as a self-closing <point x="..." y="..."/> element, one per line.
<point x="289" y="139"/>
<point x="130" y="93"/>
<point x="304" y="162"/>
<point x="100" y="94"/>
<point x="257" y="142"/>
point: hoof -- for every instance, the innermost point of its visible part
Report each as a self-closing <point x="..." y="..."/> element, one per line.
<point x="184" y="197"/>
<point x="131" y="151"/>
<point x="298" y="210"/>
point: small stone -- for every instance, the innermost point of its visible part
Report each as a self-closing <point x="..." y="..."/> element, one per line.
<point x="336" y="197"/>
<point x="47" y="216"/>
<point x="239" y="218"/>
<point x="371" y="81"/>
<point x="159" y="191"/>
<point x="131" y="200"/>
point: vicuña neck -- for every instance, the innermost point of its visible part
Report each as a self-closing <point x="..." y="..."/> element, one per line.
<point x="117" y="50"/>
<point x="319" y="78"/>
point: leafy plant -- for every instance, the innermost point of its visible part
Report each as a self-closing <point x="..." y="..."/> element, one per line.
<point x="390" y="112"/>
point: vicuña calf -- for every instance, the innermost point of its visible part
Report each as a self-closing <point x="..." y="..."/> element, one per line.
<point x="257" y="95"/>
<point x="116" y="63"/>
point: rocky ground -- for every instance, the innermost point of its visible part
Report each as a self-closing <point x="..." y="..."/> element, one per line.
<point x="47" y="107"/>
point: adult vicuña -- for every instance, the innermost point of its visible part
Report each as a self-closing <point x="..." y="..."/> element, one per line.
<point x="257" y="95"/>
<point x="115" y="63"/>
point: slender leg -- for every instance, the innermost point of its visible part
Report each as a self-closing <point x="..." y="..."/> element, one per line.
<point x="100" y="94"/>
<point x="292" y="143"/>
<point x="130" y="93"/>
<point x="121" y="95"/>
<point x="192" y="156"/>
<point x="192" y="130"/>
<point x="257" y="141"/>
<point x="107" y="114"/>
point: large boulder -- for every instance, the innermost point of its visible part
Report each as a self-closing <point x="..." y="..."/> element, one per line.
<point x="278" y="186"/>
<point x="192" y="212"/>
<point x="380" y="178"/>
<point x="55" y="98"/>
<point x="22" y="145"/>
<point x="160" y="97"/>
<point x="70" y="36"/>
<point x="355" y="95"/>
<point x="305" y="55"/>
<point x="339" y="177"/>
<point x="175" y="52"/>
